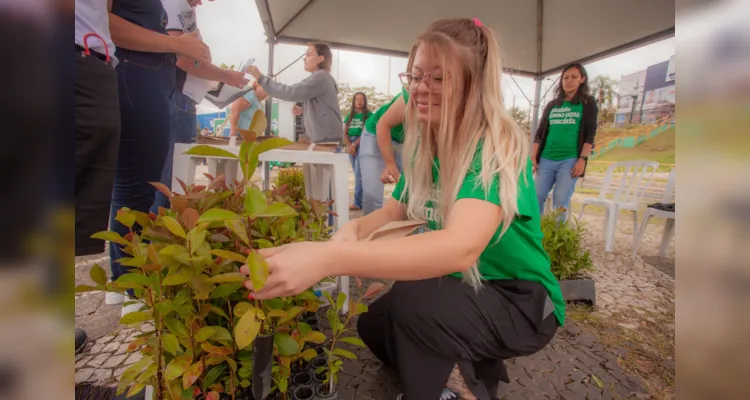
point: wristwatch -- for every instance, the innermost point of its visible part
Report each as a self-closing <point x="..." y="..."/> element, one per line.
<point x="584" y="158"/>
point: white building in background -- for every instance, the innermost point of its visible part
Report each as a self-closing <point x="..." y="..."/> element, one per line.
<point x="647" y="96"/>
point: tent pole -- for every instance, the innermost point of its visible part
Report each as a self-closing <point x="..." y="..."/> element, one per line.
<point x="269" y="112"/>
<point x="535" y="109"/>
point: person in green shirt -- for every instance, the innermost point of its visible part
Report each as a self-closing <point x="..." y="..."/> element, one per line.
<point x="476" y="288"/>
<point x="564" y="139"/>
<point x="353" y="124"/>
<point x="382" y="140"/>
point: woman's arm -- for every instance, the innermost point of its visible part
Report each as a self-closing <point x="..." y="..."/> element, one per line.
<point x="468" y="231"/>
<point x="394" y="116"/>
<point x="130" y="36"/>
<point x="309" y="88"/>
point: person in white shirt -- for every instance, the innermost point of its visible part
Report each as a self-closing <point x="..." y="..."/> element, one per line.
<point x="192" y="83"/>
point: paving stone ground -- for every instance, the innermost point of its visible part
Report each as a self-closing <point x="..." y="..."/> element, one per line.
<point x="575" y="365"/>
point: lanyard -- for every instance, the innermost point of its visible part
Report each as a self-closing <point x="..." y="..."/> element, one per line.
<point x="86" y="50"/>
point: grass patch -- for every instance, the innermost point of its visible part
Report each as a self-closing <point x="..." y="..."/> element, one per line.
<point x="649" y="348"/>
<point x="660" y="149"/>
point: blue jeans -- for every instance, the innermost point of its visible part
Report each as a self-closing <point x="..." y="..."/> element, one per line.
<point x="183" y="130"/>
<point x="145" y="84"/>
<point x="555" y="173"/>
<point x="354" y="159"/>
<point x="372" y="166"/>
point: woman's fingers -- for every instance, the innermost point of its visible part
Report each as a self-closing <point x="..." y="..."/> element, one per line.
<point x="270" y="252"/>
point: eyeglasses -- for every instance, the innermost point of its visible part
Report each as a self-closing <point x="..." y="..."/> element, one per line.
<point x="411" y="81"/>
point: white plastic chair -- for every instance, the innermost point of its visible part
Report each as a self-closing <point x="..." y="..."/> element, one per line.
<point x="668" y="234"/>
<point x="623" y="195"/>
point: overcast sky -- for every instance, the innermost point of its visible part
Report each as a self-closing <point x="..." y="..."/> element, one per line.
<point x="233" y="31"/>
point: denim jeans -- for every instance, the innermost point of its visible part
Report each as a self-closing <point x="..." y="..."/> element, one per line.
<point x="355" y="160"/>
<point x="555" y="173"/>
<point x="183" y="130"/>
<point x="372" y="166"/>
<point x="145" y="83"/>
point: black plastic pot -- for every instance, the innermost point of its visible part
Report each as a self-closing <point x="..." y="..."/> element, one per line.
<point x="262" y="361"/>
<point x="322" y="388"/>
<point x="308" y="314"/>
<point x="299" y="366"/>
<point x="318" y="362"/>
<point x="305" y="392"/>
<point x="302" y="378"/>
<point x="579" y="290"/>
<point x="313" y="322"/>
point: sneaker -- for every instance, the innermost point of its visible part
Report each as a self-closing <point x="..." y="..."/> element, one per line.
<point x="81" y="339"/>
<point x="132" y="306"/>
<point x="446" y="395"/>
<point x="113" y="298"/>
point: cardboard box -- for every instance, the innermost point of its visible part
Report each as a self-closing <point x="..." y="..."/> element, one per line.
<point x="395" y="230"/>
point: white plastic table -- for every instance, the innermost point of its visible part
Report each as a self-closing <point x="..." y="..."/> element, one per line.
<point x="322" y="170"/>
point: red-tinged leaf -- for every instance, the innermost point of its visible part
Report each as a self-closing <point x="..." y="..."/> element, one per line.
<point x="217" y="387"/>
<point x="359" y="282"/>
<point x="212" y="396"/>
<point x="161" y="211"/>
<point x="180" y="204"/>
<point x="152" y="253"/>
<point x="152" y="216"/>
<point x="183" y="185"/>
<point x="192" y="374"/>
<point x="162" y="188"/>
<point x="190" y="217"/>
<point x="152" y="267"/>
<point x="135" y="344"/>
<point x="197" y="188"/>
<point x="217" y="183"/>
<point x="178" y="366"/>
<point x="333" y="213"/>
<point x="209" y="176"/>
<point x="216" y="350"/>
<point x="375" y="288"/>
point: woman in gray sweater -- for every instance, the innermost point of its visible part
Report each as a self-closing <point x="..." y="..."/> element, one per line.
<point x="318" y="92"/>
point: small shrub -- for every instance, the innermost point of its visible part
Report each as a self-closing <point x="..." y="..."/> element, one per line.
<point x="562" y="241"/>
<point x="294" y="181"/>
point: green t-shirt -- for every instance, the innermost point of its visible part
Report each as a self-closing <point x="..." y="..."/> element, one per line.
<point x="355" y="128"/>
<point x="564" y="125"/>
<point x="397" y="132"/>
<point x="519" y="254"/>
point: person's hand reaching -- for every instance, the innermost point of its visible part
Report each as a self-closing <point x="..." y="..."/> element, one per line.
<point x="190" y="45"/>
<point x="254" y="71"/>
<point x="292" y="269"/>
<point x="390" y="174"/>
<point x="236" y="79"/>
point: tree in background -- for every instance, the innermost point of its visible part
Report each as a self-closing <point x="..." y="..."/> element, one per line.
<point x="374" y="99"/>
<point x="522" y="118"/>
<point x="604" y="90"/>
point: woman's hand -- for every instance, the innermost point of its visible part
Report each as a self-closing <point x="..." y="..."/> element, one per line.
<point x="390" y="174"/>
<point x="191" y="46"/>
<point x="296" y="110"/>
<point x="535" y="165"/>
<point x="236" y="79"/>
<point x="254" y="71"/>
<point x="578" y="168"/>
<point x="292" y="269"/>
<point x="352" y="149"/>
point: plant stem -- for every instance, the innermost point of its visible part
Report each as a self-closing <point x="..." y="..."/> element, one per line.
<point x="158" y="328"/>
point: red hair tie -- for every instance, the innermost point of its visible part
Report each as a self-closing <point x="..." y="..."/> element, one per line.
<point x="478" y="23"/>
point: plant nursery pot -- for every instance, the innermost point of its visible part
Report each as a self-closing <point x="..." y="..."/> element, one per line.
<point x="322" y="389"/>
<point x="582" y="290"/>
<point x="262" y="361"/>
<point x="305" y="392"/>
<point x="313" y="322"/>
<point x="300" y="366"/>
<point x="308" y="314"/>
<point x="302" y="379"/>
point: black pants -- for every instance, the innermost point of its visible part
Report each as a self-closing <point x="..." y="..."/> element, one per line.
<point x="424" y="328"/>
<point x="97" y="114"/>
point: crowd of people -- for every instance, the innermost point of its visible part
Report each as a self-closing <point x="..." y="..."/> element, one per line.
<point x="471" y="291"/>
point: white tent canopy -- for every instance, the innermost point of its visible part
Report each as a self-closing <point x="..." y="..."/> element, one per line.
<point x="538" y="37"/>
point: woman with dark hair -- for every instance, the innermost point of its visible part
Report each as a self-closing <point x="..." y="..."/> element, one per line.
<point x="353" y="124"/>
<point x="564" y="139"/>
<point x="318" y="93"/>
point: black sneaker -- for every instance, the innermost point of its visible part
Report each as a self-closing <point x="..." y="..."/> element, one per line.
<point x="81" y="339"/>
